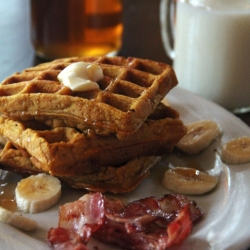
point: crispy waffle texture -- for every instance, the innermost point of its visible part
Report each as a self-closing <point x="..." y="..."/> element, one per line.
<point x="103" y="140"/>
<point x="65" y="151"/>
<point x="119" y="179"/>
<point x="129" y="92"/>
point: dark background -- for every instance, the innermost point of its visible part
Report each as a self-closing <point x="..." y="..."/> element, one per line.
<point x="141" y="37"/>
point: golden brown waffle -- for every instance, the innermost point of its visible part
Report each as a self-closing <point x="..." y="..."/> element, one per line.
<point x="129" y="92"/>
<point x="119" y="179"/>
<point x="12" y="159"/>
<point x="64" y="151"/>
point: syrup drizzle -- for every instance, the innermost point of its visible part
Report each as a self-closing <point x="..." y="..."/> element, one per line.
<point x="8" y="183"/>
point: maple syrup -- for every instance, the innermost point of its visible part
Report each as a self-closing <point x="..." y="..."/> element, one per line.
<point x="8" y="182"/>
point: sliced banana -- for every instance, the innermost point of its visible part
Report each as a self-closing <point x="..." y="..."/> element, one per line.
<point x="37" y="193"/>
<point x="236" y="151"/>
<point x="188" y="181"/>
<point x="17" y="220"/>
<point x="199" y="136"/>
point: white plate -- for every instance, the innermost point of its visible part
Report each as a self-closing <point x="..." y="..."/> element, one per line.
<point x="226" y="222"/>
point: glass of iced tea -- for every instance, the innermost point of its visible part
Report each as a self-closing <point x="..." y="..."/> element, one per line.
<point x="65" y="28"/>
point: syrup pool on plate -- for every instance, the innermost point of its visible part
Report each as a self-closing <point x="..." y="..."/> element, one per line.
<point x="8" y="182"/>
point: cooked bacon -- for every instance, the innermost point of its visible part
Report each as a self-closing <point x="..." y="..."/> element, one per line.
<point x="77" y="221"/>
<point x="174" y="202"/>
<point x="61" y="238"/>
<point x="145" y="224"/>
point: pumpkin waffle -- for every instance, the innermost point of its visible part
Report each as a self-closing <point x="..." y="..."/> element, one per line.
<point x="64" y="151"/>
<point x="129" y="92"/>
<point x="119" y="179"/>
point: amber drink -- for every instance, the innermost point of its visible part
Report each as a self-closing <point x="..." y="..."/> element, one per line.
<point x="64" y="28"/>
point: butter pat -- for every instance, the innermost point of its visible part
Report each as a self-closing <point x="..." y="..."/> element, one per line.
<point x="81" y="76"/>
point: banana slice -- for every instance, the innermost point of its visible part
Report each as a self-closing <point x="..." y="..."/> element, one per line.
<point x="17" y="220"/>
<point x="37" y="193"/>
<point x="199" y="136"/>
<point x="236" y="151"/>
<point x="188" y="181"/>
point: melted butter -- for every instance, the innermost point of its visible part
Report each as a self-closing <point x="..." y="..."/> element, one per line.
<point x="81" y="76"/>
<point x="8" y="183"/>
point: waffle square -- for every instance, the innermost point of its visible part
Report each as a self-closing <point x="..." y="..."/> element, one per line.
<point x="129" y="92"/>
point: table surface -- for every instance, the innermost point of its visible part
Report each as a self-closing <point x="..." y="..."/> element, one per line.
<point x="141" y="36"/>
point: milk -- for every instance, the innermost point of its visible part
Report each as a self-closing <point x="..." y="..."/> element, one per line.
<point x="212" y="50"/>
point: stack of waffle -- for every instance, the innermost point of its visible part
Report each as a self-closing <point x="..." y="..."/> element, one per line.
<point x="100" y="140"/>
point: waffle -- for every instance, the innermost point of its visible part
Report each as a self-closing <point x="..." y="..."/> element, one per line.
<point x="12" y="159"/>
<point x="119" y="179"/>
<point x="129" y="92"/>
<point x="64" y="151"/>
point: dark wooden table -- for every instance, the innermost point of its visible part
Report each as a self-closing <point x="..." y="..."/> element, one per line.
<point x="141" y="36"/>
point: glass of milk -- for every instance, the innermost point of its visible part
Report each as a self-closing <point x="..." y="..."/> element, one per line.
<point x="211" y="48"/>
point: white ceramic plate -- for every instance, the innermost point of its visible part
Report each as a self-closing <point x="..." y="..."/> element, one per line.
<point x="226" y="222"/>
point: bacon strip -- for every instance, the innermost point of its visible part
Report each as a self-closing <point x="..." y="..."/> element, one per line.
<point x="77" y="221"/>
<point x="145" y="224"/>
